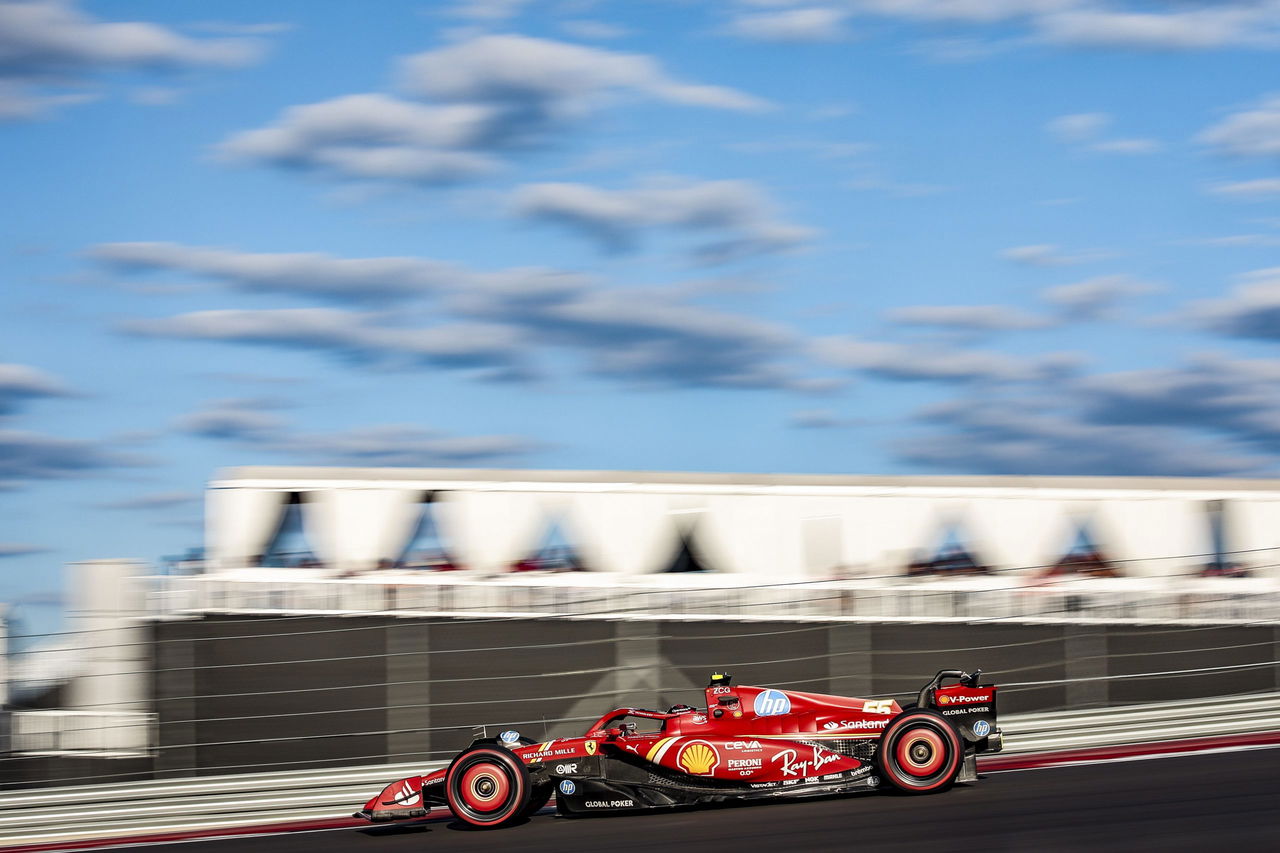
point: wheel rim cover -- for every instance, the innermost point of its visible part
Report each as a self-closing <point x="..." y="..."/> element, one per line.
<point x="920" y="752"/>
<point x="484" y="787"/>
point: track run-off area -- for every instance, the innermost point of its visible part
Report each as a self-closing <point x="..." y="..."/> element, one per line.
<point x="1227" y="799"/>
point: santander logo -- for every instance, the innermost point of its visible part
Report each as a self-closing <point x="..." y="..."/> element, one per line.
<point x="855" y="724"/>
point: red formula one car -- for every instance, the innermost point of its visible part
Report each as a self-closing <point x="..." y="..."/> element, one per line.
<point x="749" y="743"/>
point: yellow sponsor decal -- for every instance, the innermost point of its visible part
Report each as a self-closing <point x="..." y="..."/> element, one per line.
<point x="658" y="747"/>
<point x="699" y="758"/>
<point x="590" y="747"/>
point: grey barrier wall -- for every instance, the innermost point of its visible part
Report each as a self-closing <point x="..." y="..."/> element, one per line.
<point x="234" y="694"/>
<point x="237" y="694"/>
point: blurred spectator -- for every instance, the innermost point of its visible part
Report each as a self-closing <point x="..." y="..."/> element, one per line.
<point x="952" y="559"/>
<point x="561" y="559"/>
<point x="1223" y="569"/>
<point x="429" y="561"/>
<point x="1088" y="562"/>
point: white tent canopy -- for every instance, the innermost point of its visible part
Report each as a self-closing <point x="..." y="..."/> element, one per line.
<point x="768" y="527"/>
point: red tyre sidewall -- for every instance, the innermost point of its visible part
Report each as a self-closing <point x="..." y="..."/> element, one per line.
<point x="511" y="780"/>
<point x="935" y="729"/>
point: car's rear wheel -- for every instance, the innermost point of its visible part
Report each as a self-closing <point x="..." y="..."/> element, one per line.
<point x="920" y="753"/>
<point x="487" y="786"/>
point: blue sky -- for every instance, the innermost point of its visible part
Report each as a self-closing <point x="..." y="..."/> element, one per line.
<point x="873" y="236"/>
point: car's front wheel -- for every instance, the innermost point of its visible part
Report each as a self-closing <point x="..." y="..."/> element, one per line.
<point x="487" y="786"/>
<point x="920" y="753"/>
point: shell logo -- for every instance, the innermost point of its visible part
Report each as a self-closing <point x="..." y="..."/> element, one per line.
<point x="698" y="758"/>
<point x="944" y="700"/>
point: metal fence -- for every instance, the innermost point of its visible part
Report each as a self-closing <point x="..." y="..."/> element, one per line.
<point x="1008" y="597"/>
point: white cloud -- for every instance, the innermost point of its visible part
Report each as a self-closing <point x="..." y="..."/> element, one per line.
<point x="806" y="24"/>
<point x="20" y="383"/>
<point x="1084" y="130"/>
<point x="481" y="100"/>
<point x="403" y="445"/>
<point x="34" y="456"/>
<point x="245" y="422"/>
<point x="385" y="280"/>
<point x="738" y="212"/>
<point x="1078" y="127"/>
<point x="1220" y="26"/>
<point x="1127" y="146"/>
<point x="1248" y="133"/>
<point x="1252" y="310"/>
<point x="1094" y="298"/>
<point x="818" y="419"/>
<point x="967" y="11"/>
<point x="156" y="96"/>
<point x="1115" y="24"/>
<point x="21" y="549"/>
<point x="47" y="42"/>
<point x="973" y="318"/>
<point x="1260" y="188"/>
<point x="1049" y="255"/>
<point x="1239" y="397"/>
<point x="499" y="321"/>
<point x="1239" y="240"/>
<point x="910" y="362"/>
<point x="245" y="419"/>
<point x="47" y="36"/>
<point x="555" y="78"/>
<point x="377" y="136"/>
<point x="235" y="28"/>
<point x="1213" y="415"/>
<point x="20" y="102"/>
<point x="1000" y="436"/>
<point x="361" y="338"/>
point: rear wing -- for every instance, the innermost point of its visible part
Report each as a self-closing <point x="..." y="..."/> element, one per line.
<point x="968" y="705"/>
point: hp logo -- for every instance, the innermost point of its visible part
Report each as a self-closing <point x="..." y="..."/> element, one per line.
<point x="771" y="703"/>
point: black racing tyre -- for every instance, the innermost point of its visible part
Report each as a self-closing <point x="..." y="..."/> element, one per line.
<point x="919" y="752"/>
<point x="487" y="786"/>
<point x="538" y="798"/>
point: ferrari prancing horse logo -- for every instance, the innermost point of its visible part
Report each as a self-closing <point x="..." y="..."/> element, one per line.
<point x="590" y="747"/>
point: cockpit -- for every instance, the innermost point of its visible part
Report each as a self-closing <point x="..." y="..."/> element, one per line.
<point x="721" y="699"/>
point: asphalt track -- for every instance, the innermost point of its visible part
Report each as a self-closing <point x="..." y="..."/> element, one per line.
<point x="1201" y="802"/>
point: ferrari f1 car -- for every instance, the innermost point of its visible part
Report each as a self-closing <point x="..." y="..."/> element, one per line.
<point x="748" y="743"/>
